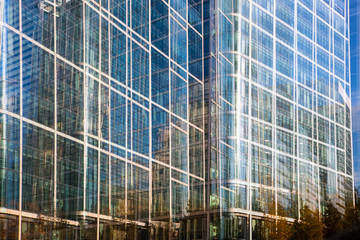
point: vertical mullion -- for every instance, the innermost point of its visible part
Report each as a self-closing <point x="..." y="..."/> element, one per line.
<point x="99" y="128"/>
<point x="109" y="110"/>
<point x="55" y="112"/>
<point x="21" y="124"/>
<point x="249" y="160"/>
<point x="274" y="108"/>
<point x="85" y="90"/>
<point x="150" y="115"/>
<point x="170" y="129"/>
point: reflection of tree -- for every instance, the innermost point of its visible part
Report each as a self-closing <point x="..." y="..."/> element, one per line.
<point x="281" y="229"/>
<point x="309" y="227"/>
<point x="262" y="229"/>
<point x="352" y="212"/>
<point x="351" y="217"/>
<point x="331" y="218"/>
<point x="8" y="227"/>
<point x="274" y="227"/>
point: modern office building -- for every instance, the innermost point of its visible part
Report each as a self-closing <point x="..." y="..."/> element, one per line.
<point x="355" y="86"/>
<point x="171" y="119"/>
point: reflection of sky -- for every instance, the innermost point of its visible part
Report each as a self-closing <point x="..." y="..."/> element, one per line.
<point x="355" y="82"/>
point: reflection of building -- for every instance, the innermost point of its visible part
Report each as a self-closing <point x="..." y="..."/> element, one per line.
<point x="171" y="119"/>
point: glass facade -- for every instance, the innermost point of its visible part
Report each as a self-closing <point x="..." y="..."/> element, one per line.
<point x="171" y="119"/>
<point x="355" y="87"/>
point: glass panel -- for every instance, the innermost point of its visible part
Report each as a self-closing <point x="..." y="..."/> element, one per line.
<point x="160" y="192"/>
<point x="70" y="102"/>
<point x="179" y="149"/>
<point x="9" y="161"/>
<point x="138" y="193"/>
<point x="10" y="71"/>
<point x="38" y="170"/>
<point x="38" y="21"/>
<point x="38" y="84"/>
<point x="70" y="177"/>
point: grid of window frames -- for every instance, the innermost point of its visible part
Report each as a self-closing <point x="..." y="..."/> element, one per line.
<point x="293" y="110"/>
<point x="142" y="118"/>
<point x="102" y="107"/>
